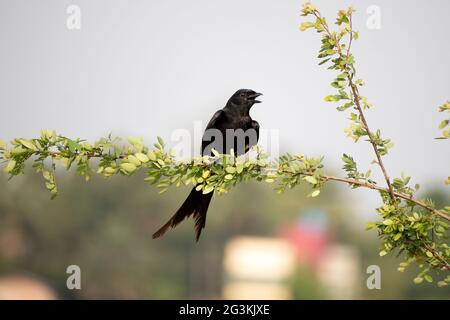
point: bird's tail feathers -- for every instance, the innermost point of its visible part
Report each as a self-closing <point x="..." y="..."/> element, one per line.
<point x="197" y="205"/>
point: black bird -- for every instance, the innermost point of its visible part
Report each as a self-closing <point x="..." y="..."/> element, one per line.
<point x="226" y="122"/>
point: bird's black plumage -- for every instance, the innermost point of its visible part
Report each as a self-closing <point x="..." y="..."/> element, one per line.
<point x="230" y="128"/>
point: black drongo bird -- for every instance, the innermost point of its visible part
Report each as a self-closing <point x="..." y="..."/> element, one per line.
<point x="232" y="129"/>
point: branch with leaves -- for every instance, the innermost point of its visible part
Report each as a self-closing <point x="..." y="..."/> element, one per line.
<point x="415" y="228"/>
<point x="412" y="226"/>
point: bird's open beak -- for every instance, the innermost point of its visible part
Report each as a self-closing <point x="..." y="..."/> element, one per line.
<point x="254" y="96"/>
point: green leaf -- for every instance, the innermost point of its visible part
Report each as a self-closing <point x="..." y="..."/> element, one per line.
<point x="418" y="280"/>
<point x="141" y="157"/>
<point x="206" y="174"/>
<point x="324" y="61"/>
<point x="207" y="189"/>
<point x="329" y="98"/>
<point x="138" y="143"/>
<point x="161" y="141"/>
<point x="388" y="222"/>
<point x="310" y="179"/>
<point x="345" y="106"/>
<point x="28" y="144"/>
<point x="306" y="25"/>
<point x="128" y="167"/>
<point x="2" y="144"/>
<point x="73" y="146"/>
<point x="229" y="177"/>
<point x="151" y="155"/>
<point x="49" y="185"/>
<point x="10" y="166"/>
<point x="47" y="134"/>
<point x="370" y="225"/>
<point x="443" y="124"/>
<point x="230" y="169"/>
<point x="428" y="278"/>
<point x="109" y="170"/>
<point x="397" y="236"/>
<point x="315" y="193"/>
<point x="47" y="175"/>
<point x="215" y="153"/>
<point x="134" y="160"/>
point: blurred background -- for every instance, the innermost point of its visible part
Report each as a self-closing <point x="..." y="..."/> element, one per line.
<point x="256" y="244"/>
<point x="144" y="68"/>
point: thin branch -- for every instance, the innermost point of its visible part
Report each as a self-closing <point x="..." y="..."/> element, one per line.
<point x="351" y="33"/>
<point x="356" y="100"/>
<point x="446" y="265"/>
<point x="375" y="187"/>
<point x="54" y="154"/>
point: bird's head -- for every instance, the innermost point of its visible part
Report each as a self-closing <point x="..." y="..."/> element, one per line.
<point x="245" y="98"/>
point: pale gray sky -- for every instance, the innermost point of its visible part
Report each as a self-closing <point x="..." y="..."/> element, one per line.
<point x="145" y="68"/>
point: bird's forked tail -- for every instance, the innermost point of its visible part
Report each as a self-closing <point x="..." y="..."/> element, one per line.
<point x="196" y="204"/>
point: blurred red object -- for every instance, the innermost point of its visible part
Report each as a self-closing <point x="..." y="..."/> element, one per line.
<point x="309" y="236"/>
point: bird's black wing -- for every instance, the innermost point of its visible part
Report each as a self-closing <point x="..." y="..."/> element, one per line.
<point x="214" y="123"/>
<point x="249" y="143"/>
<point x="255" y="125"/>
<point x="218" y="115"/>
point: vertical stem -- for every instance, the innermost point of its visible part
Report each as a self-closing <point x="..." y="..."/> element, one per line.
<point x="356" y="98"/>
